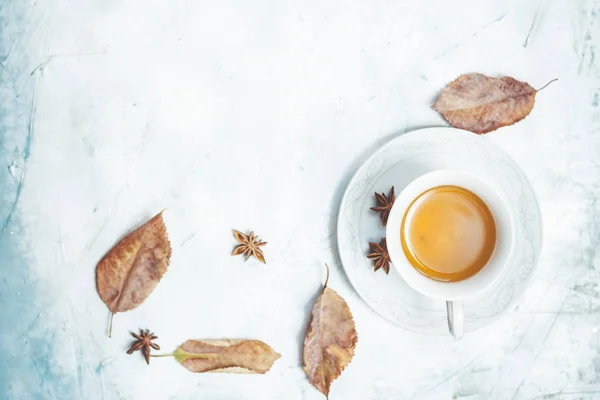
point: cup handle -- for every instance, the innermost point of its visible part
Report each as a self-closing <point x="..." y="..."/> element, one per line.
<point x="456" y="318"/>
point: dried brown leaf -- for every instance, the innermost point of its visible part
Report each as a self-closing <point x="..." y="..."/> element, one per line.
<point x="481" y="104"/>
<point x="130" y="271"/>
<point x="330" y="339"/>
<point x="228" y="355"/>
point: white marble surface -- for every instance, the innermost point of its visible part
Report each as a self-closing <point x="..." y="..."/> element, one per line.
<point x="254" y="115"/>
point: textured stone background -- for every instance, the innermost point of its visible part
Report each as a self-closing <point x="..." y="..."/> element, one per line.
<point x="254" y="115"/>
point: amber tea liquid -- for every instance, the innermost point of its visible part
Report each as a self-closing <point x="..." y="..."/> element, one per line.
<point x="448" y="233"/>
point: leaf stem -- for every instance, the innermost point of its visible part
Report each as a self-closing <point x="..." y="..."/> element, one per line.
<point x="543" y="87"/>
<point x="327" y="278"/>
<point x="112" y="314"/>
<point x="182" y="355"/>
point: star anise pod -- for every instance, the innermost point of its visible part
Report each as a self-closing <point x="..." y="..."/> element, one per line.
<point x="379" y="254"/>
<point x="384" y="205"/>
<point x="249" y="246"/>
<point x="143" y="342"/>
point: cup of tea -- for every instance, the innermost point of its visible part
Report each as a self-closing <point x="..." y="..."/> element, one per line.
<point x="450" y="235"/>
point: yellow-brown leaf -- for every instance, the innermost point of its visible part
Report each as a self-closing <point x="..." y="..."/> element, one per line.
<point x="330" y="340"/>
<point x="481" y="104"/>
<point x="130" y="271"/>
<point x="228" y="355"/>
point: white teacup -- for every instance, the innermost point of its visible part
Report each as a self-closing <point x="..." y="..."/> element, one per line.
<point x="452" y="292"/>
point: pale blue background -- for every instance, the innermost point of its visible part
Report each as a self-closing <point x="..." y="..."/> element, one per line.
<point x="254" y="115"/>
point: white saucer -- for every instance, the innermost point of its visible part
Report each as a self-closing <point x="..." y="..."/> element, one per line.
<point x="398" y="163"/>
